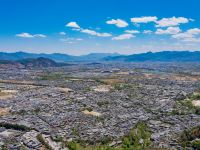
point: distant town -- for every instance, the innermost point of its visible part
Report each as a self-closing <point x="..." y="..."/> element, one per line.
<point x="102" y="105"/>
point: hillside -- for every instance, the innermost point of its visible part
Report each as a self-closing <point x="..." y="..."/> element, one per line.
<point x="58" y="57"/>
<point x="30" y="63"/>
<point x="165" y="56"/>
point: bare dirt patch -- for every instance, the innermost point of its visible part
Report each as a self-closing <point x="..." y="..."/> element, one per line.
<point x="4" y="111"/>
<point x="196" y="103"/>
<point x="64" y="90"/>
<point x="102" y="88"/>
<point x="17" y="82"/>
<point x="111" y="81"/>
<point x="6" y="94"/>
<point x="123" y="73"/>
<point x="93" y="113"/>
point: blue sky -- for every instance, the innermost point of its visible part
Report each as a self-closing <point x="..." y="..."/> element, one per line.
<point x="84" y="26"/>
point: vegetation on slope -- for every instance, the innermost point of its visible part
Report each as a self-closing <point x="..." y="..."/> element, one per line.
<point x="137" y="139"/>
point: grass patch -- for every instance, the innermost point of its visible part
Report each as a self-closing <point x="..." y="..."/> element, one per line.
<point x="190" y="108"/>
<point x="186" y="106"/>
<point x="195" y="96"/>
<point x="123" y="86"/>
<point x="138" y="138"/>
<point x="51" y="76"/>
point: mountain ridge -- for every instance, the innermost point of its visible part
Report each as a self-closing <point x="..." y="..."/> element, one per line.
<point x="59" y="57"/>
<point x="163" y="56"/>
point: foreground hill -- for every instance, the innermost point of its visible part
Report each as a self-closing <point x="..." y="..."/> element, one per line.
<point x="30" y="63"/>
<point x="165" y="56"/>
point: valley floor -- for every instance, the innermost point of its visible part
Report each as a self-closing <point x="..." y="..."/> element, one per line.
<point x="106" y="106"/>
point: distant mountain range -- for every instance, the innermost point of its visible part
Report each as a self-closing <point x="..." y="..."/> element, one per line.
<point x="164" y="56"/>
<point x="56" y="56"/>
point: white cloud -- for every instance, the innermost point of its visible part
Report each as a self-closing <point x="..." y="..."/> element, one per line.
<point x="132" y="31"/>
<point x="73" y="25"/>
<point x="28" y="35"/>
<point x="94" y="33"/>
<point x="91" y="32"/>
<point x="25" y="35"/>
<point x="190" y="35"/>
<point x="169" y="30"/>
<point x="145" y="19"/>
<point x="147" y="31"/>
<point x="118" y="22"/>
<point x="76" y="27"/>
<point x="62" y="33"/>
<point x="194" y="31"/>
<point x="174" y="21"/>
<point x="123" y="37"/>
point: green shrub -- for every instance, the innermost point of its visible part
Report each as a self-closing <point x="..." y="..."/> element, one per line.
<point x="75" y="132"/>
<point x="72" y="145"/>
<point x="138" y="138"/>
<point x="195" y="96"/>
<point x="188" y="138"/>
<point x="195" y="144"/>
<point x="51" y="76"/>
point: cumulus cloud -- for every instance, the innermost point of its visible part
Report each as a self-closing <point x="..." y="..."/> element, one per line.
<point x="194" y="31"/>
<point x="73" y="25"/>
<point x="123" y="37"/>
<point x="145" y="19"/>
<point x="190" y="35"/>
<point x="28" y="35"/>
<point x="94" y="33"/>
<point x="76" y="27"/>
<point x="147" y="31"/>
<point x="118" y="22"/>
<point x="132" y="31"/>
<point x="174" y="21"/>
<point x="25" y="35"/>
<point x="169" y="30"/>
